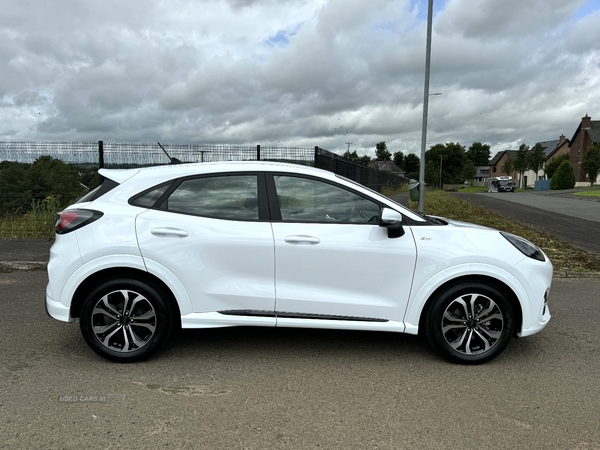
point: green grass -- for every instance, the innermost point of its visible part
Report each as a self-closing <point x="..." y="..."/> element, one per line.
<point x="37" y="224"/>
<point x="594" y="193"/>
<point x="390" y="190"/>
<point x="473" y="189"/>
<point x="562" y="255"/>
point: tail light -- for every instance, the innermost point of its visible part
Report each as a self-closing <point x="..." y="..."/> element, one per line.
<point x="71" y="219"/>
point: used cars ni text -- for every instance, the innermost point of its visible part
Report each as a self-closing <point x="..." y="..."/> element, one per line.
<point x="280" y="245"/>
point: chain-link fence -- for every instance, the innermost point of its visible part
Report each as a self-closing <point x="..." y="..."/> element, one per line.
<point x="34" y="217"/>
<point x="125" y="155"/>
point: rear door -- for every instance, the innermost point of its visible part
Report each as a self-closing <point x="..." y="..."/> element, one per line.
<point x="213" y="233"/>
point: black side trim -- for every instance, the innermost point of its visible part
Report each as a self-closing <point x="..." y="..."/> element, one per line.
<point x="247" y="312"/>
<point x="289" y="315"/>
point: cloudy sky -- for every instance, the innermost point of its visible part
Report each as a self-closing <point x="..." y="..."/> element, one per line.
<point x="297" y="72"/>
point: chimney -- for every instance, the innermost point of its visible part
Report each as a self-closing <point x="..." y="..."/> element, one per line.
<point x="586" y="122"/>
<point x="561" y="139"/>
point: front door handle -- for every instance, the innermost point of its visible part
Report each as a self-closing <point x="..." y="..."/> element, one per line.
<point x="301" y="239"/>
<point x="162" y="232"/>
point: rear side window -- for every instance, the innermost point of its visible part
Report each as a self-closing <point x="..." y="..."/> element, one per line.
<point x="148" y="199"/>
<point x="231" y="197"/>
<point x="106" y="186"/>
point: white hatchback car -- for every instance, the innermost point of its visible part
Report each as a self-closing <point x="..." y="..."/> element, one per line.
<point x="280" y="245"/>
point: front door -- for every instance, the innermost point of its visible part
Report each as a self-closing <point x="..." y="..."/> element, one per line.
<point x="332" y="259"/>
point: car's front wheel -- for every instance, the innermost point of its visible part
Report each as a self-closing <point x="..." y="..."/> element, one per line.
<point x="470" y="323"/>
<point x="125" y="320"/>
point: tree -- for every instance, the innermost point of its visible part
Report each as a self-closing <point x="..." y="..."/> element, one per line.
<point x="479" y="153"/>
<point x="453" y="158"/>
<point x="412" y="164"/>
<point x="381" y="152"/>
<point x="509" y="166"/>
<point x="54" y="178"/>
<point x="432" y="173"/>
<point x="23" y="184"/>
<point x="521" y="162"/>
<point x="360" y="160"/>
<point x="15" y="188"/>
<point x="537" y="157"/>
<point x="469" y="171"/>
<point x="398" y="159"/>
<point x="554" y="163"/>
<point x="591" y="163"/>
<point x="564" y="177"/>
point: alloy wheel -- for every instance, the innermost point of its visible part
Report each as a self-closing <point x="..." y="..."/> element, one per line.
<point x="472" y="324"/>
<point x="124" y="320"/>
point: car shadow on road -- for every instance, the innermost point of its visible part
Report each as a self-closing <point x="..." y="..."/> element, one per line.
<point x="293" y="341"/>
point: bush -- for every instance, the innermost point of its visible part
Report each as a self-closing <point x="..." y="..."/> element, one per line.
<point x="564" y="177"/>
<point x="22" y="185"/>
<point x="553" y="164"/>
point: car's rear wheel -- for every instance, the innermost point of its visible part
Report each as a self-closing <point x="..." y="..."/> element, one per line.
<point x="125" y="320"/>
<point x="470" y="323"/>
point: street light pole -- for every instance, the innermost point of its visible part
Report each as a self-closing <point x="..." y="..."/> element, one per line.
<point x="425" y="107"/>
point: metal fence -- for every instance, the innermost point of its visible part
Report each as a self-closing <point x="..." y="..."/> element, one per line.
<point x="124" y="155"/>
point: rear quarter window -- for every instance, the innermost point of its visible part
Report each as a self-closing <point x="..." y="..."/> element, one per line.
<point x="149" y="198"/>
<point x="106" y="186"/>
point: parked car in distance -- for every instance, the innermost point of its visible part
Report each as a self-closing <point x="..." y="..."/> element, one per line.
<point x="280" y="245"/>
<point x="501" y="184"/>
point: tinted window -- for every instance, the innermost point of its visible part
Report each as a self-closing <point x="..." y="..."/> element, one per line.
<point x="308" y="200"/>
<point x="106" y="186"/>
<point x="148" y="199"/>
<point x="221" y="197"/>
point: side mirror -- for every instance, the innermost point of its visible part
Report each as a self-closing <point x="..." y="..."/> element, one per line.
<point x="392" y="220"/>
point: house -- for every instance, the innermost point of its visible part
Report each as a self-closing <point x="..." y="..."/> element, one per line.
<point x="482" y="173"/>
<point x="498" y="162"/>
<point x="563" y="147"/>
<point x="586" y="136"/>
<point x="552" y="149"/>
<point x="387" y="166"/>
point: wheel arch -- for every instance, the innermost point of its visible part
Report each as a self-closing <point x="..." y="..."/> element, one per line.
<point x="494" y="282"/>
<point x="101" y="276"/>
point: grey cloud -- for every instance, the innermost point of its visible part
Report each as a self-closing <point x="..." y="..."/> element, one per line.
<point x="352" y="71"/>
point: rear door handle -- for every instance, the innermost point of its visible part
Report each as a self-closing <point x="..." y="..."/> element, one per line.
<point x="300" y="239"/>
<point x="162" y="232"/>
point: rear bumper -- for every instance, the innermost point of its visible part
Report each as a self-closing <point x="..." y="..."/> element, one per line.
<point x="57" y="310"/>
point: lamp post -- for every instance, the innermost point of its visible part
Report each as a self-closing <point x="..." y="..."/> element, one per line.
<point x="425" y="106"/>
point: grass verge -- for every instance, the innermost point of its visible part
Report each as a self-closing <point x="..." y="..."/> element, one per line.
<point x="37" y="224"/>
<point x="588" y="193"/>
<point x="563" y="256"/>
<point x="473" y="189"/>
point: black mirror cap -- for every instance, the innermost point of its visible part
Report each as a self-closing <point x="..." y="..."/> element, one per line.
<point x="392" y="220"/>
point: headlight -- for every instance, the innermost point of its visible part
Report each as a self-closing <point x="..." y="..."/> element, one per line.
<point x="524" y="246"/>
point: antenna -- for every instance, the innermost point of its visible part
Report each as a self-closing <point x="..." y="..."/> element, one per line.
<point x="171" y="160"/>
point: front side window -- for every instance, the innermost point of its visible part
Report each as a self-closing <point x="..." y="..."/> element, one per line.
<point x="222" y="197"/>
<point x="309" y="200"/>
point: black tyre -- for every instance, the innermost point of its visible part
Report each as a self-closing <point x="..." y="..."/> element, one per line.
<point x="125" y="320"/>
<point x="470" y="323"/>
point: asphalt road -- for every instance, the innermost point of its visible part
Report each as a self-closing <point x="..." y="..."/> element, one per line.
<point x="252" y="388"/>
<point x="574" y="221"/>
